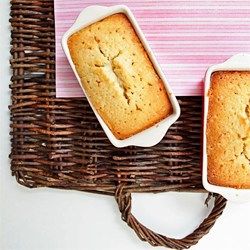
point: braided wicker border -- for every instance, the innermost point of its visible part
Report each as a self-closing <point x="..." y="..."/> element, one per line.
<point x="58" y="142"/>
<point x="124" y="201"/>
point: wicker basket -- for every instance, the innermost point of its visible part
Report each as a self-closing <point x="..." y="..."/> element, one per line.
<point x="58" y="142"/>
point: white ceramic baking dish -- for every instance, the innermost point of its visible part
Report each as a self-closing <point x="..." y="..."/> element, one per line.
<point x="152" y="135"/>
<point x="239" y="62"/>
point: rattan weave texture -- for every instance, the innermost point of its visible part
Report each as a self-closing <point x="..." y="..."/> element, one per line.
<point x="58" y="142"/>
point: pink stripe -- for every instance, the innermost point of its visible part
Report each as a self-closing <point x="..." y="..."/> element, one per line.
<point x="168" y="16"/>
<point x="219" y="50"/>
<point x="62" y="3"/>
<point x="186" y="36"/>
<point x="197" y="25"/>
<point x="202" y="28"/>
<point x="66" y="74"/>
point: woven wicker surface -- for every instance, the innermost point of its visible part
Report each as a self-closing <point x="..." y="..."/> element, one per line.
<point x="59" y="143"/>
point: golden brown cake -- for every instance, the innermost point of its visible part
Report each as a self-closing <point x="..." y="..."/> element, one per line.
<point x="228" y="129"/>
<point x="118" y="76"/>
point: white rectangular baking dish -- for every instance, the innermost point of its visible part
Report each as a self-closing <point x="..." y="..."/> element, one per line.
<point x="154" y="134"/>
<point x="239" y="62"/>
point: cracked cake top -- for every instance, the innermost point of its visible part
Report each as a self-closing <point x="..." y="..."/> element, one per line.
<point x="118" y="76"/>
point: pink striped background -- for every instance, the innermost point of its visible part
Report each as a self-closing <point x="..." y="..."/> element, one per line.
<point x="186" y="37"/>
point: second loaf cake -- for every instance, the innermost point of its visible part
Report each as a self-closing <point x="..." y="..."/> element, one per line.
<point x="118" y="76"/>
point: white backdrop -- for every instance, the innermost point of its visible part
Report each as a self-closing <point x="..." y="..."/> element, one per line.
<point x="47" y="219"/>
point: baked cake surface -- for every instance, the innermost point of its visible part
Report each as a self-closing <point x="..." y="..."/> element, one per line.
<point x="118" y="76"/>
<point x="228" y="129"/>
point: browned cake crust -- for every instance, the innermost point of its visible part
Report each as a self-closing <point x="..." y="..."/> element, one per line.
<point x="228" y="129"/>
<point x="118" y="76"/>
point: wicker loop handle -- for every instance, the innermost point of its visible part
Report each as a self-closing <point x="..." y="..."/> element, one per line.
<point x="124" y="200"/>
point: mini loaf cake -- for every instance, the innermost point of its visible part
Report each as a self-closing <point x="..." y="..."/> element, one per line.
<point x="228" y="129"/>
<point x="118" y="76"/>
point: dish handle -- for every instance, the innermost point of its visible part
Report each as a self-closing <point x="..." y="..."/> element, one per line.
<point x="238" y="60"/>
<point x="86" y="15"/>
